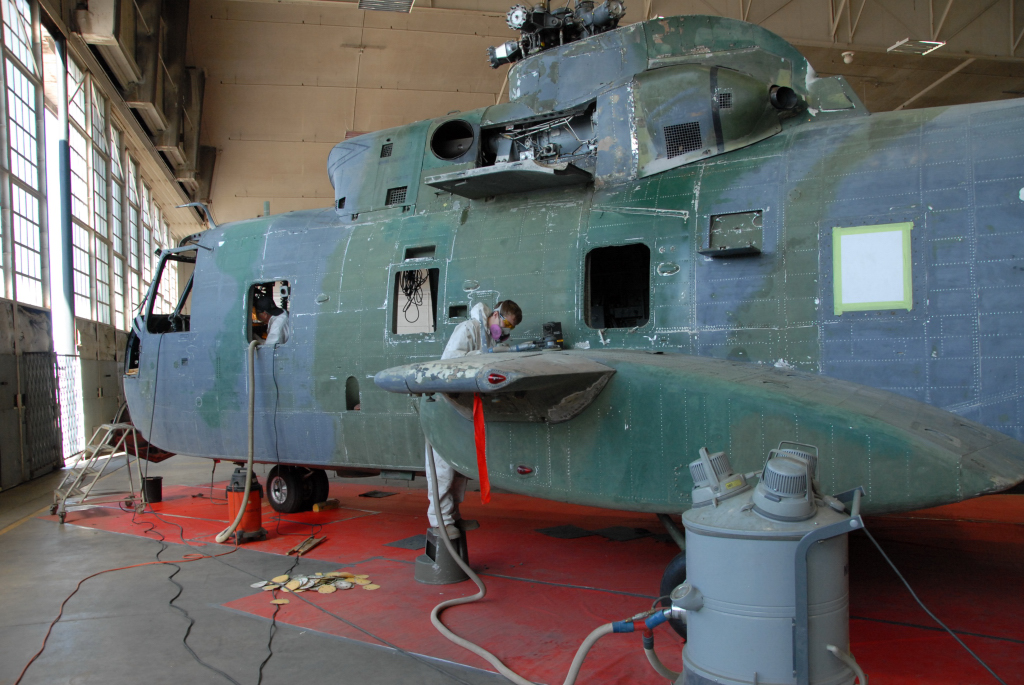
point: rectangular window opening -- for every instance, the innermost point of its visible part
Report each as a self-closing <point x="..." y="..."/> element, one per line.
<point x="341" y="203"/>
<point x="274" y="298"/>
<point x="458" y="311"/>
<point x="618" y="286"/>
<point x="426" y="252"/>
<point x="415" y="298"/>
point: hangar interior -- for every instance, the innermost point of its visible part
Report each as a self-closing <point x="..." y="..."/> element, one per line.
<point x="120" y="113"/>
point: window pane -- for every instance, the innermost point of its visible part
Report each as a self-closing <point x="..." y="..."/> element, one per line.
<point x="99" y="119"/>
<point x="116" y="163"/>
<point x="133" y="237"/>
<point x="21" y="113"/>
<point x="133" y="181"/>
<point x="28" y="264"/>
<point x="119" y="314"/>
<point x="79" y="175"/>
<point x="99" y="192"/>
<point x="116" y="209"/>
<point x="76" y="93"/>
<point x="80" y="266"/>
<point x="18" y="32"/>
<point x="133" y="293"/>
<point x="102" y="282"/>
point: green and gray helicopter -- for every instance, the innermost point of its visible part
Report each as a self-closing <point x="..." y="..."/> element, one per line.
<point x="713" y="247"/>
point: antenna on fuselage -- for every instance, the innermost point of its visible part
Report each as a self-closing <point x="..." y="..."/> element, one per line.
<point x="206" y="211"/>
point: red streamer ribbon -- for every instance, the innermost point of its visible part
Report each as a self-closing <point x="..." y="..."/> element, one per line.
<point x="480" y="433"/>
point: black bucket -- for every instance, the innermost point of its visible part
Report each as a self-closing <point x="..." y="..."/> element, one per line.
<point x="152" y="489"/>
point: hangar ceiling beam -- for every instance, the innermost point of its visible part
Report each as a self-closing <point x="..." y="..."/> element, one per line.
<point x="937" y="81"/>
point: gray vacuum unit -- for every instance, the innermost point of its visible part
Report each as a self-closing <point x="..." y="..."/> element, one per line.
<point x="766" y="592"/>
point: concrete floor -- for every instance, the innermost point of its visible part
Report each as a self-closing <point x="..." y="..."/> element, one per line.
<point x="119" y="628"/>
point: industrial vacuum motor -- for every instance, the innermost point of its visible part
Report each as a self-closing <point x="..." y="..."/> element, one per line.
<point x="755" y="612"/>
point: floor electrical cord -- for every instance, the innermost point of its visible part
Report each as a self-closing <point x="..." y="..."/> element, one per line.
<point x="415" y="657"/>
<point x="184" y="612"/>
<point x="185" y="559"/>
<point x="926" y="610"/>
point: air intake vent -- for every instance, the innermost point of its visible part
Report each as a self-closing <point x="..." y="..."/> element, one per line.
<point x="683" y="138"/>
<point x="800" y="455"/>
<point x="386" y="5"/>
<point x="720" y="463"/>
<point x="396" y="196"/>
<point x="698" y="474"/>
<point x="785" y="476"/>
<point x="724" y="100"/>
<point x="385" y="150"/>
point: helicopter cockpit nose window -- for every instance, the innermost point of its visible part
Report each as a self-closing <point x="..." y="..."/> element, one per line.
<point x="276" y="292"/>
<point x="169" y="298"/>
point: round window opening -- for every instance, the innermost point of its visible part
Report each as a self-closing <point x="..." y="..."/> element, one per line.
<point x="452" y="139"/>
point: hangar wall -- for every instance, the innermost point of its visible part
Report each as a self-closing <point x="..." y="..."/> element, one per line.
<point x="101" y="351"/>
<point x="30" y="443"/>
<point x="286" y="82"/>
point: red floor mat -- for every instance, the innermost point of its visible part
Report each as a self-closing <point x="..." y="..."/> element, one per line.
<point x="545" y="594"/>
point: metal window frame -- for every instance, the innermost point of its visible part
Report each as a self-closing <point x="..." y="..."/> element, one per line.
<point x="8" y="179"/>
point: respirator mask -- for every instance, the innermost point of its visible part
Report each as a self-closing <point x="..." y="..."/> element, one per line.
<point x="501" y="330"/>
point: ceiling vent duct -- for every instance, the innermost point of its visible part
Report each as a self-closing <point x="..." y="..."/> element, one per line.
<point x="387" y="5"/>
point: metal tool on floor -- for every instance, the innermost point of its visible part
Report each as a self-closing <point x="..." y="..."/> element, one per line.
<point x="306" y="545"/>
<point x="86" y="467"/>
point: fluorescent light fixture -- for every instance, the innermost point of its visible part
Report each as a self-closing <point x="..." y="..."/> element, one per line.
<point x="387" y="5"/>
<point x="916" y="47"/>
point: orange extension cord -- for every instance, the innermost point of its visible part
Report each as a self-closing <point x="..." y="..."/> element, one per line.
<point x="185" y="559"/>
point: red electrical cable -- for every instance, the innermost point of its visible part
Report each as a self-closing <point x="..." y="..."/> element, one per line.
<point x="185" y="559"/>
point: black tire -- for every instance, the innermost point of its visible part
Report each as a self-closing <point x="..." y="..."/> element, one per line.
<point x="317" y="487"/>
<point x="675" y="574"/>
<point x="285" y="489"/>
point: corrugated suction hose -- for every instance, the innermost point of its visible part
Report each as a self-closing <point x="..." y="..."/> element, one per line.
<point x="227" y="532"/>
<point x="435" y="615"/>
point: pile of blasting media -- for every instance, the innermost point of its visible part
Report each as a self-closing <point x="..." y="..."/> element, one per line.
<point x="324" y="583"/>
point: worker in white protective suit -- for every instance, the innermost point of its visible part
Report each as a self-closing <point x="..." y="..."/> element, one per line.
<point x="481" y="332"/>
<point x="279" y="329"/>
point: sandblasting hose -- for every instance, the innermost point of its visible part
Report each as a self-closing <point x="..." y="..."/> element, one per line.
<point x="435" y="615"/>
<point x="227" y="532"/>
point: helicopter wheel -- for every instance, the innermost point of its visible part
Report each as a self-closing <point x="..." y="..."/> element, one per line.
<point x="675" y="574"/>
<point x="285" y="488"/>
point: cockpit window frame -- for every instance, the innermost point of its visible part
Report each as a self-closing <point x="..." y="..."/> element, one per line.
<point x="175" y="254"/>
